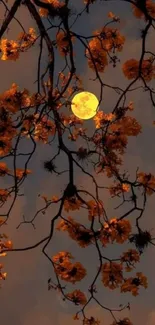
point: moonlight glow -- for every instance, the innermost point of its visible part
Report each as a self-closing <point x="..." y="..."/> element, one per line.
<point x="85" y="105"/>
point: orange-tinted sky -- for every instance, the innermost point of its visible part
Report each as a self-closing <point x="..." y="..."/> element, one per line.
<point x="24" y="298"/>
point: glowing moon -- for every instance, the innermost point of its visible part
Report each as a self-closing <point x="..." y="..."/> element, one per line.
<point x="84" y="105"/>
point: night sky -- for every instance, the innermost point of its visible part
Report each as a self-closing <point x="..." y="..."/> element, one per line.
<point x="24" y="298"/>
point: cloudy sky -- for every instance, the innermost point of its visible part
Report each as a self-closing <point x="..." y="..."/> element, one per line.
<point x="24" y="298"/>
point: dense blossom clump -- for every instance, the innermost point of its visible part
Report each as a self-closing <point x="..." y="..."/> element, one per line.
<point x="139" y="9"/>
<point x="132" y="69"/>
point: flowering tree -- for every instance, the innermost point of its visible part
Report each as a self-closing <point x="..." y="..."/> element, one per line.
<point x="45" y="117"/>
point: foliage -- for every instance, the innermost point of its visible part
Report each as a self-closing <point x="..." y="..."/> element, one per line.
<point x="39" y="118"/>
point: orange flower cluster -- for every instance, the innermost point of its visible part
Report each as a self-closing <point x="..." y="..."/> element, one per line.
<point x="132" y="284"/>
<point x="42" y="127"/>
<point x="95" y="208"/>
<point x="27" y="39"/>
<point x="76" y="133"/>
<point x="72" y="204"/>
<point x="107" y="39"/>
<point x="119" y="188"/>
<point x="4" y="244"/>
<point x="63" y="43"/>
<point x="7" y="131"/>
<point x="127" y="126"/>
<point x="70" y="120"/>
<point x="130" y="258"/>
<point x="69" y="272"/>
<point x="2" y="274"/>
<point x="116" y="142"/>
<point x="5" y="145"/>
<point x="73" y="121"/>
<point x="98" y="56"/>
<point x="75" y="83"/>
<point x="76" y="231"/>
<point x="115" y="230"/>
<point x="10" y="49"/>
<point x="13" y="99"/>
<point x="54" y="198"/>
<point x="102" y="118"/>
<point x="55" y="3"/>
<point x="36" y="99"/>
<point x="150" y="6"/>
<point x="113" y="16"/>
<point x="131" y="69"/>
<point x="109" y="164"/>
<point x="91" y="321"/>
<point x="78" y="297"/>
<point x="119" y="128"/>
<point x="28" y="124"/>
<point x="112" y="275"/>
<point x="148" y="181"/>
<point x="3" y="169"/>
<point x="22" y="172"/>
<point x="111" y="39"/>
<point x="63" y="78"/>
<point x="61" y="257"/>
<point x="4" y="194"/>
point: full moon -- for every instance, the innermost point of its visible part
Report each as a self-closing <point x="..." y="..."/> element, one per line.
<point x="85" y="105"/>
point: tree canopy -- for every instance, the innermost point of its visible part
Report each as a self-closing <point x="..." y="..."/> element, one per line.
<point x="96" y="148"/>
